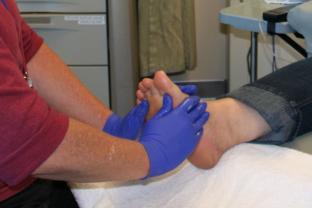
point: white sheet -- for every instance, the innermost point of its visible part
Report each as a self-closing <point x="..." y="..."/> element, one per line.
<point x="249" y="175"/>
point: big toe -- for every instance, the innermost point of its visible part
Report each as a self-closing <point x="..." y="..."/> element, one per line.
<point x="163" y="83"/>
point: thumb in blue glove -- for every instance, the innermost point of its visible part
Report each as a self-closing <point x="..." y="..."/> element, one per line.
<point x="129" y="126"/>
<point x="172" y="134"/>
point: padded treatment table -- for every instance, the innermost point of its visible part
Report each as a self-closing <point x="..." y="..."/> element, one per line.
<point x="248" y="175"/>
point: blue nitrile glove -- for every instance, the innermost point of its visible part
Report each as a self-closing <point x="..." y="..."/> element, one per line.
<point x="189" y="89"/>
<point x="129" y="126"/>
<point x="172" y="134"/>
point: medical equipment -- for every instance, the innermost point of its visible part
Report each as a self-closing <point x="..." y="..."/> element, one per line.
<point x="300" y="19"/>
<point x="278" y="14"/>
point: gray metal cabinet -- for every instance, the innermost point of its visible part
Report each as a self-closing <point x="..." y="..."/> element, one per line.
<point x="96" y="79"/>
<point x="77" y="31"/>
<point x="78" y="39"/>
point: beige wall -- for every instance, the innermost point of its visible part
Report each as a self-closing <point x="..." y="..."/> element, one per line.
<point x="212" y="47"/>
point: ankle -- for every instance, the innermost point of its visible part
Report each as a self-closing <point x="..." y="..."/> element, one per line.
<point x="241" y="116"/>
<point x="222" y="123"/>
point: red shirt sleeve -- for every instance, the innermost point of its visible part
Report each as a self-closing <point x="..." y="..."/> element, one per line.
<point x="31" y="41"/>
<point x="30" y="130"/>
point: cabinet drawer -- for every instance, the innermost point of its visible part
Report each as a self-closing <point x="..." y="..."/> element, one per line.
<point x="78" y="39"/>
<point x="76" y="6"/>
<point x="96" y="79"/>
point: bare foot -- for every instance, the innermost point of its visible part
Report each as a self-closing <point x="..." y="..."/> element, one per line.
<point x="153" y="91"/>
<point x="225" y="128"/>
<point x="147" y="90"/>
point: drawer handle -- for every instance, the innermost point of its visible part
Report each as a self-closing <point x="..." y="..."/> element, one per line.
<point x="44" y="2"/>
<point x="38" y="20"/>
<point x="45" y="23"/>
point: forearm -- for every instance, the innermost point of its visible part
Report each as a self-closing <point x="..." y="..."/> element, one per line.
<point x="88" y="155"/>
<point x="62" y="90"/>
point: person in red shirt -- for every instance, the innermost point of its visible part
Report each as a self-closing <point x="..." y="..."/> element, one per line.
<point x="51" y="126"/>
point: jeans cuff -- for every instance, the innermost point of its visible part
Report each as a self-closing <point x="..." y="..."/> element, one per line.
<point x="275" y="110"/>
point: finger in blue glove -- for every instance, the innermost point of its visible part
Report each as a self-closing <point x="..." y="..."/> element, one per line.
<point x="189" y="89"/>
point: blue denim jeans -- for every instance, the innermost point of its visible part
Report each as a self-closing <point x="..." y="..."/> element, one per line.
<point x="283" y="99"/>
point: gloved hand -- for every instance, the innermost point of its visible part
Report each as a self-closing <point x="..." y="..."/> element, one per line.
<point x="171" y="135"/>
<point x="189" y="89"/>
<point x="129" y="126"/>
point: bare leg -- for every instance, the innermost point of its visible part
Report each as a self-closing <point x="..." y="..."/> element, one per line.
<point x="230" y="123"/>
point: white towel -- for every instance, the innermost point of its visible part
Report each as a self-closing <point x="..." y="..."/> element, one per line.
<point x="248" y="175"/>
